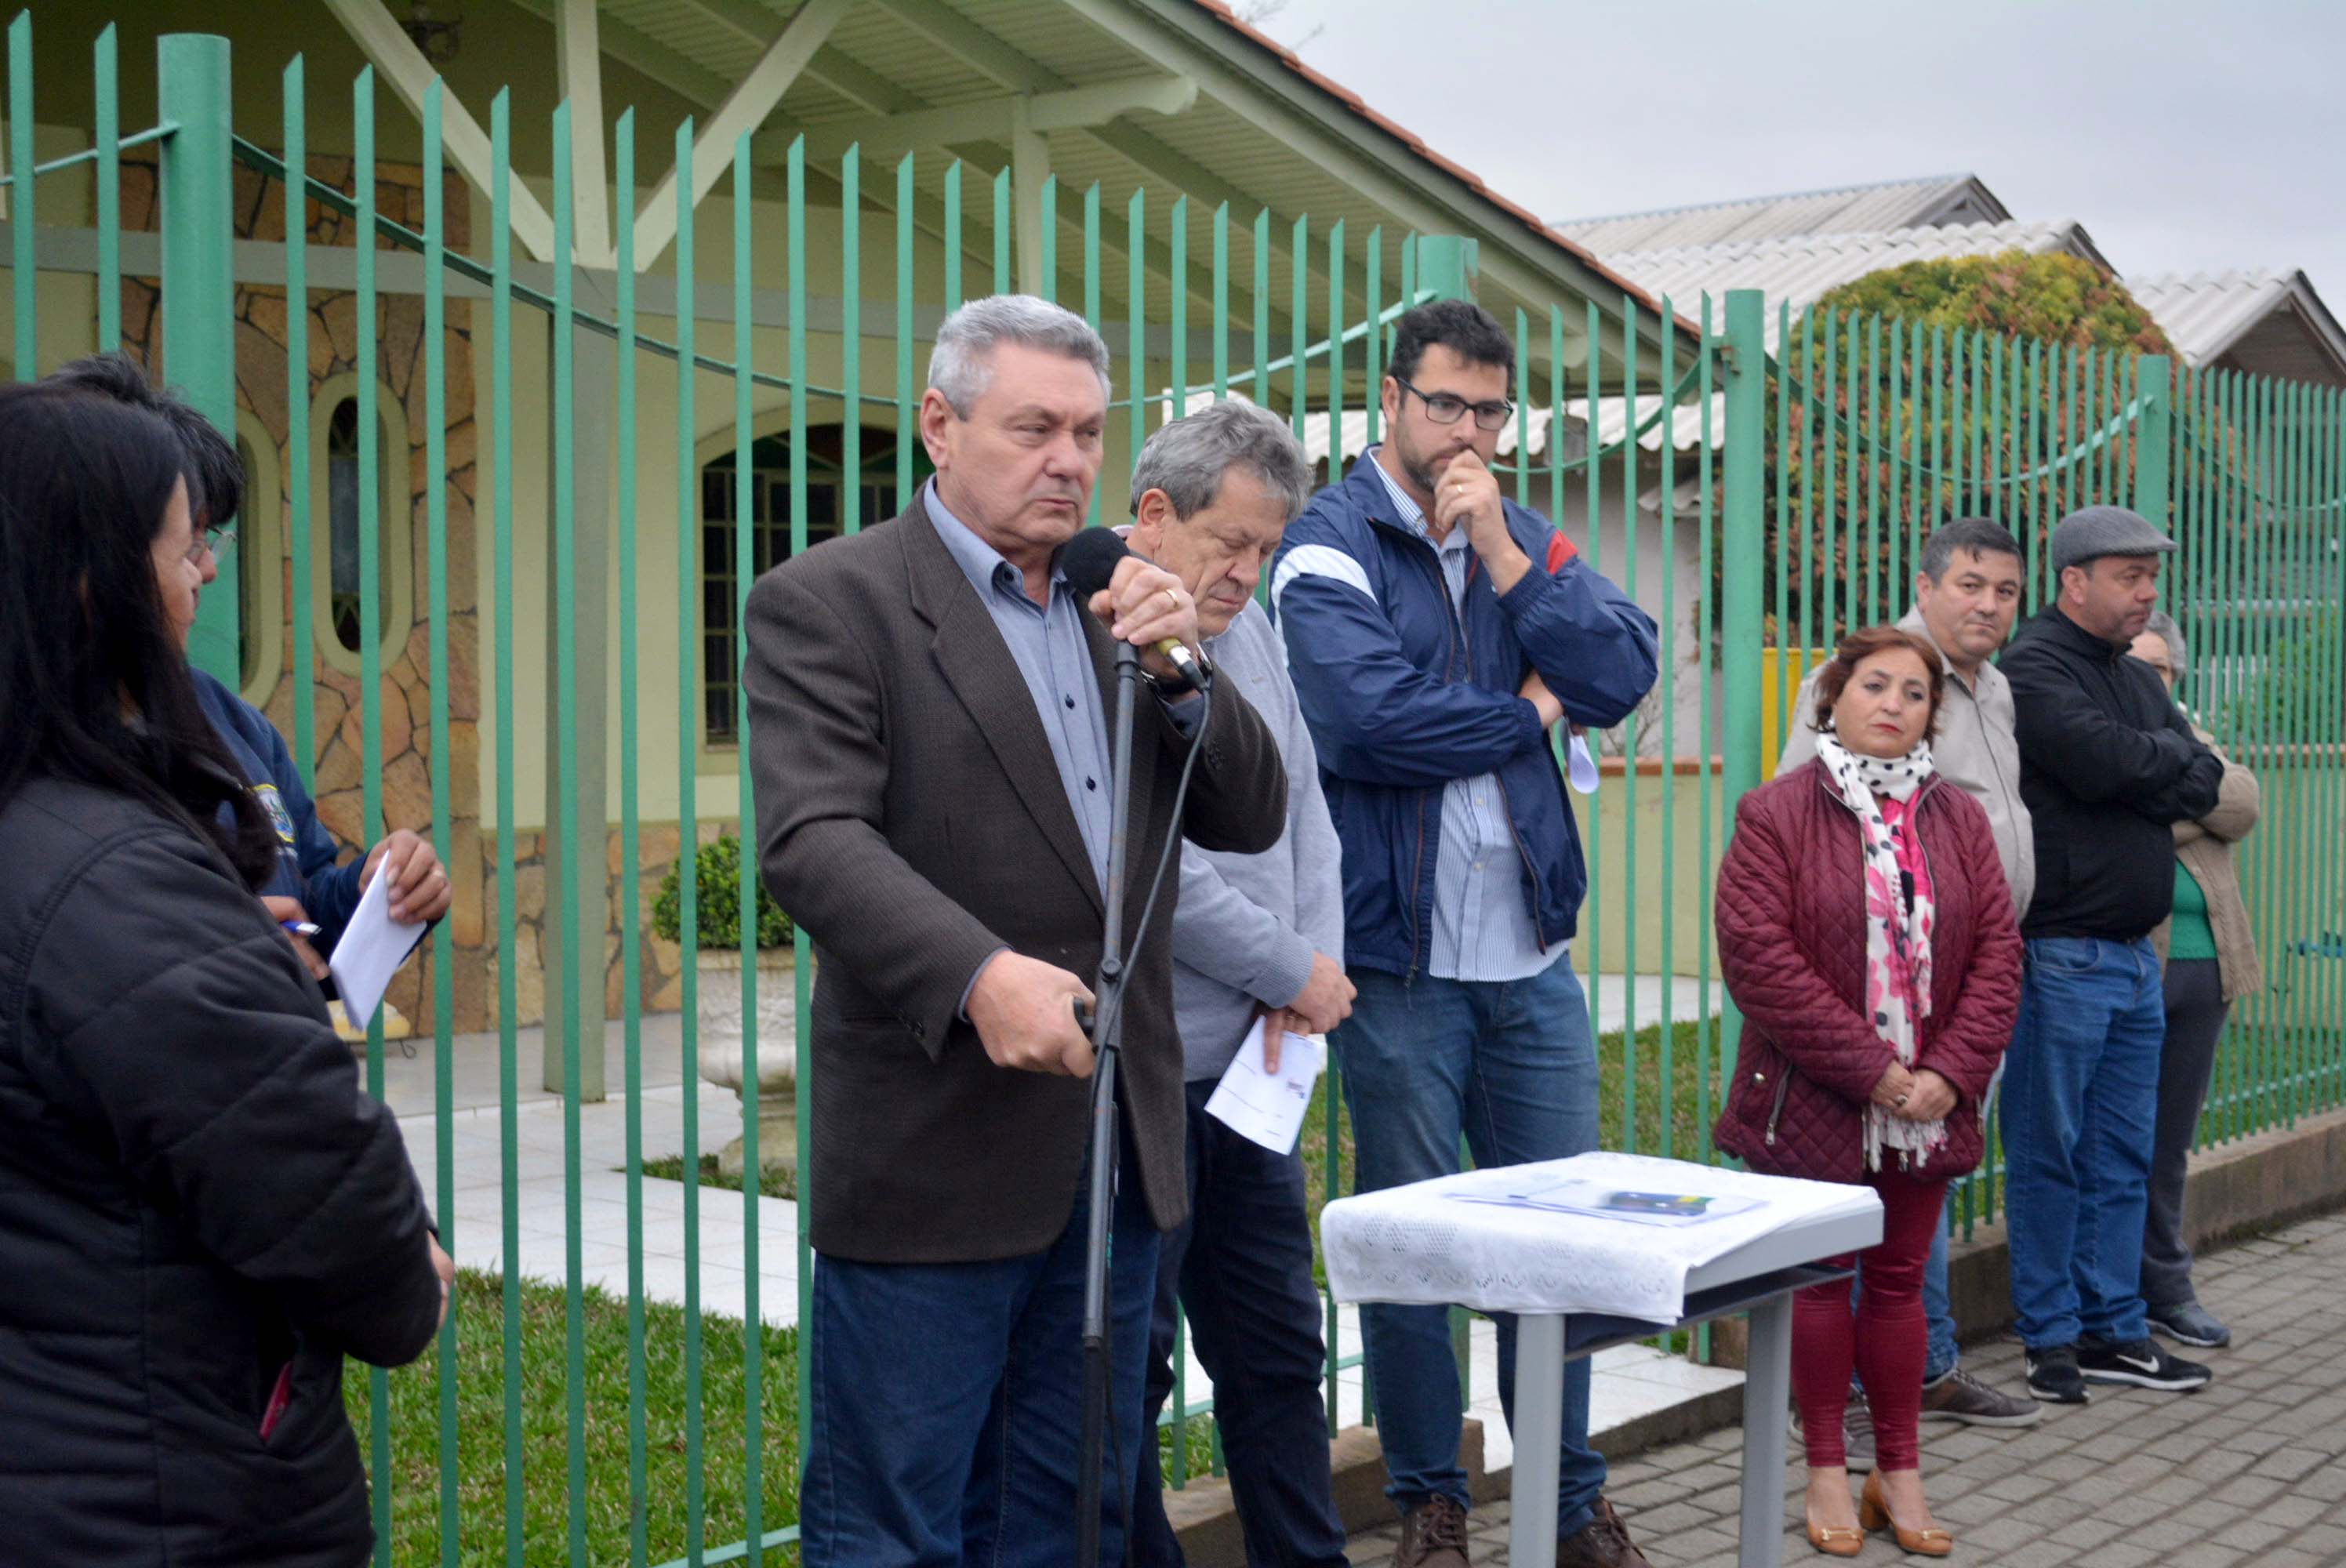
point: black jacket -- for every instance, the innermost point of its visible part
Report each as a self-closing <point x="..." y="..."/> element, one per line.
<point x="2107" y="762"/>
<point x="193" y="1195"/>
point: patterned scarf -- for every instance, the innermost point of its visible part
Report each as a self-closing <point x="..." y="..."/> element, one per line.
<point x="1897" y="937"/>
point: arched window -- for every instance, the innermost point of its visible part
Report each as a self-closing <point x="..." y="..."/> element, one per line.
<point x="335" y="481"/>
<point x="770" y="533"/>
<point x="260" y="564"/>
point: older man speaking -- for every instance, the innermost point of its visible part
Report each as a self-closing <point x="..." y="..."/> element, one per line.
<point x="930" y="748"/>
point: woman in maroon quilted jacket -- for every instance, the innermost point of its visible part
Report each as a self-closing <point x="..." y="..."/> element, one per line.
<point x="1866" y="934"/>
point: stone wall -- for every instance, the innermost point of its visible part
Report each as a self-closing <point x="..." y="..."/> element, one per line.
<point x="405" y="752"/>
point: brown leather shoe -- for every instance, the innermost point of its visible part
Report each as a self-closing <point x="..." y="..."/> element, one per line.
<point x="1873" y="1513"/>
<point x="1603" y="1542"/>
<point x="1432" y="1535"/>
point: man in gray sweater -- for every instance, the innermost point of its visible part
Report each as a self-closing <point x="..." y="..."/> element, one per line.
<point x="1254" y="937"/>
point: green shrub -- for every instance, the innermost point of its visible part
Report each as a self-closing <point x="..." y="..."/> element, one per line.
<point x="2293" y="699"/>
<point x="719" y="898"/>
<point x="1965" y="354"/>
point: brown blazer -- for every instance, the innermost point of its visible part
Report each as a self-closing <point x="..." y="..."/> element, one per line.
<point x="2204" y="845"/>
<point x="910" y="817"/>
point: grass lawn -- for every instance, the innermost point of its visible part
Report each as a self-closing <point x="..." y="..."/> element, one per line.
<point x="479" y="1425"/>
<point x="777" y="1181"/>
<point x="544" y="1426"/>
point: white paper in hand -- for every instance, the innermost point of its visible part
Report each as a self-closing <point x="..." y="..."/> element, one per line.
<point x="1580" y="767"/>
<point x="373" y="946"/>
<point x="1263" y="1107"/>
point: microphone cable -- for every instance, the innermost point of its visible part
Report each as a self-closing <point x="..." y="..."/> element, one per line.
<point x="1165" y="857"/>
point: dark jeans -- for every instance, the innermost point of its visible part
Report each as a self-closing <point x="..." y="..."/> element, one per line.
<point x="2195" y="1021"/>
<point x="946" y="1405"/>
<point x="2080" y="1096"/>
<point x="1241" y="1268"/>
<point x="1510" y="1066"/>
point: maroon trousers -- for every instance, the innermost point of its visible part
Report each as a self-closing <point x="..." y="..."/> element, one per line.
<point x="1885" y="1337"/>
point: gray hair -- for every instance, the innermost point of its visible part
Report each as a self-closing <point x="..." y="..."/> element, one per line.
<point x="1974" y="535"/>
<point x="1187" y="458"/>
<point x="962" y="364"/>
<point x="2179" y="652"/>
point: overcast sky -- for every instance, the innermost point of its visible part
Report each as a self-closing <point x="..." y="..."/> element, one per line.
<point x="2184" y="137"/>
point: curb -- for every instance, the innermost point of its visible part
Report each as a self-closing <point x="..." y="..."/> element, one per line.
<point x="2258" y="1183"/>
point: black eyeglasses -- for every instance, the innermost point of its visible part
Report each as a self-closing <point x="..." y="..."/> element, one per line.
<point x="1444" y="409"/>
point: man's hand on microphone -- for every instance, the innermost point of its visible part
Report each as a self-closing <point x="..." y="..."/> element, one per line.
<point x="1142" y="605"/>
<point x="1024" y="1010"/>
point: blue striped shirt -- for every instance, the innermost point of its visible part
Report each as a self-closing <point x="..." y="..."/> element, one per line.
<point x="1483" y="927"/>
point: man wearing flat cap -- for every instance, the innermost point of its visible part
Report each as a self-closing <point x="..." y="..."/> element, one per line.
<point x="2107" y="762"/>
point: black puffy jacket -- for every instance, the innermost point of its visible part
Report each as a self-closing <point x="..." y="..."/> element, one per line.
<point x="194" y="1195"/>
<point x="2107" y="762"/>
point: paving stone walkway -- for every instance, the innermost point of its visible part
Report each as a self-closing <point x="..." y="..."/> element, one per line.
<point x="2250" y="1471"/>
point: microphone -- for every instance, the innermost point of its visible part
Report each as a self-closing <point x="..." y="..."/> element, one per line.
<point x="1089" y="560"/>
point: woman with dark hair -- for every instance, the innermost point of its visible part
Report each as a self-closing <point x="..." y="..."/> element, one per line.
<point x="200" y="1215"/>
<point x="1866" y="934"/>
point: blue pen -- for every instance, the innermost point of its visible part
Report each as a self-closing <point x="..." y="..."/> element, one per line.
<point x="300" y="927"/>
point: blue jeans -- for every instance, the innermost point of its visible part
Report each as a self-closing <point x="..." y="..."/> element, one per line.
<point x="1242" y="1269"/>
<point x="1509" y="1066"/>
<point x="946" y="1405"/>
<point x="2080" y="1106"/>
<point x="1942" y="1355"/>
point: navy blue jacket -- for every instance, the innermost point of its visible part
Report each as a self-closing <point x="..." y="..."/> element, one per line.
<point x="307" y="855"/>
<point x="1402" y="698"/>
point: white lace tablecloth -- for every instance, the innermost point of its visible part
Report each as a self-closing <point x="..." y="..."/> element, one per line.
<point x="1424" y="1245"/>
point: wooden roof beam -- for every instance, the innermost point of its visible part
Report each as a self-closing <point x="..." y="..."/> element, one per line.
<point x="400" y="62"/>
<point x="747" y="106"/>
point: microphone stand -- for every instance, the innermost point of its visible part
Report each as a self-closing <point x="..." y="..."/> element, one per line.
<point x="1107" y="1037"/>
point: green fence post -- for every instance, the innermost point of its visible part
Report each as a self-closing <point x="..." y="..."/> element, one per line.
<point x="198" y="224"/>
<point x="1743" y="543"/>
<point x="2152" y="439"/>
<point x="1446" y="267"/>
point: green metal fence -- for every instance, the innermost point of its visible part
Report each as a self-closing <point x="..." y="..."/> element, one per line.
<point x="1762" y="480"/>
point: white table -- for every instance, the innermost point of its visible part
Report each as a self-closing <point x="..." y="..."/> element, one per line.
<point x="1758" y="1276"/>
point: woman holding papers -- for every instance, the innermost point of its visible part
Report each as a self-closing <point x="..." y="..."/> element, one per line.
<point x="200" y="1215"/>
<point x="1866" y="934"/>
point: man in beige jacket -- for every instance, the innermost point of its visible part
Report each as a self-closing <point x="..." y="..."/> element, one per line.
<point x="2210" y="959"/>
<point x="1966" y="594"/>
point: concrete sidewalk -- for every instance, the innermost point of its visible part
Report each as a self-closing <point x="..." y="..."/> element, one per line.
<point x="2251" y="1471"/>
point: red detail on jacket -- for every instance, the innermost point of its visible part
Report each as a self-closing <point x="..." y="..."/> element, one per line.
<point x="1792" y="945"/>
<point x="1559" y="550"/>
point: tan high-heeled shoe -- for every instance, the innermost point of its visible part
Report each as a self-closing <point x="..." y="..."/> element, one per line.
<point x="1873" y="1513"/>
<point x="1834" y="1540"/>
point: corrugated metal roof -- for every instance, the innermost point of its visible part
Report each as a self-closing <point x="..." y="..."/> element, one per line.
<point x="1799" y="271"/>
<point x="1935" y="201"/>
<point x="2209" y="314"/>
<point x="1795" y="273"/>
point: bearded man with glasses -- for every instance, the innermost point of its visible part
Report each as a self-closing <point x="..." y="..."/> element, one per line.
<point x="1436" y="632"/>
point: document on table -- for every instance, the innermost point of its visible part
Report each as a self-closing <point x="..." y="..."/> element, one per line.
<point x="1598" y="1232"/>
<point x="373" y="948"/>
<point x="1601" y="1200"/>
<point x="1265" y="1107"/>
